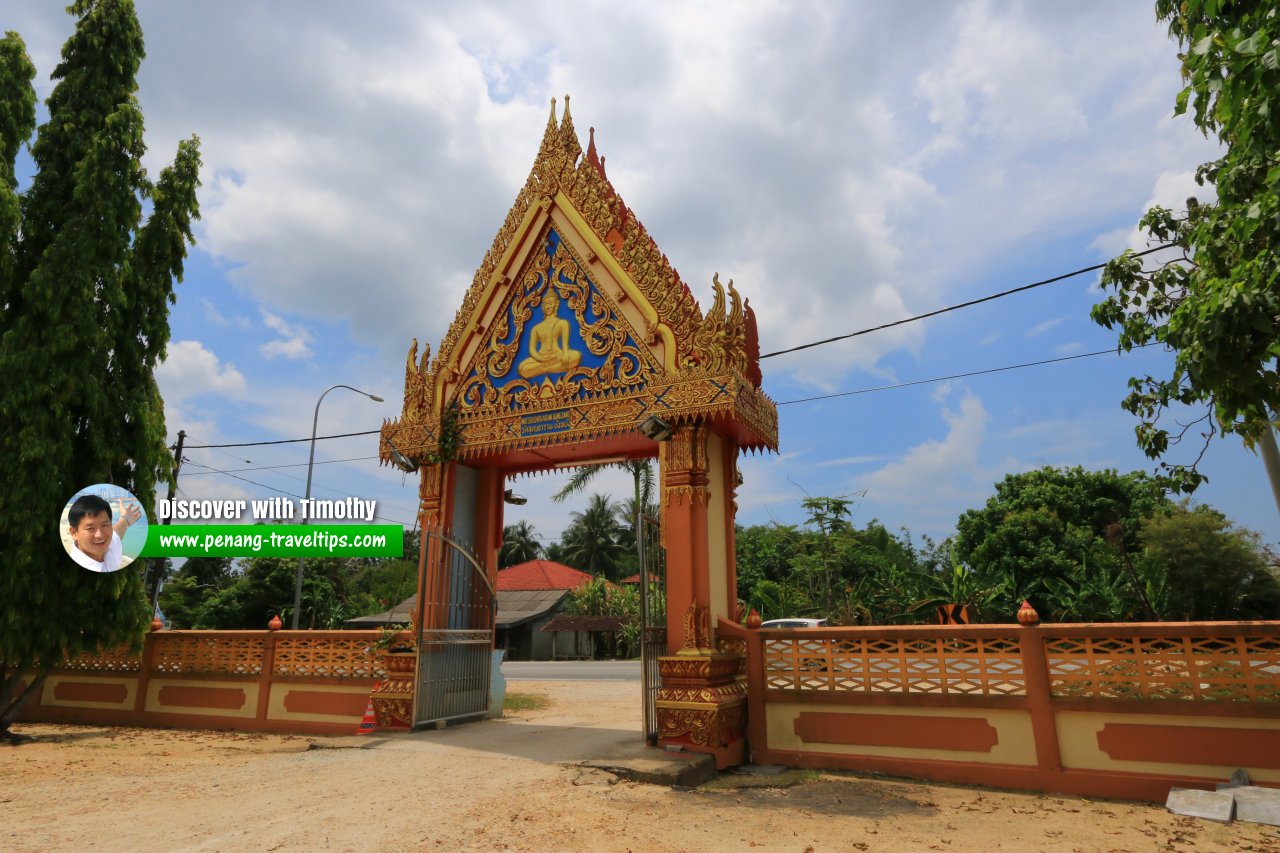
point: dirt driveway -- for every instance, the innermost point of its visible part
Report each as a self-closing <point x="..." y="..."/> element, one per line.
<point x="503" y="785"/>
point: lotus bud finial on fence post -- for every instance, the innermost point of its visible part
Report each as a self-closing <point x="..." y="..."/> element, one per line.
<point x="1027" y="615"/>
<point x="275" y="624"/>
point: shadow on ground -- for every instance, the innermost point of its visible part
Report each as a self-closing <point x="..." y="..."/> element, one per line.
<point x="864" y="798"/>
<point x="530" y="739"/>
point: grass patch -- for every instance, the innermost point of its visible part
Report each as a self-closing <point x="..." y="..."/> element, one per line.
<point x="524" y="702"/>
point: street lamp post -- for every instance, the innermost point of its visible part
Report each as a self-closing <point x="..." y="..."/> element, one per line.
<point x="306" y="512"/>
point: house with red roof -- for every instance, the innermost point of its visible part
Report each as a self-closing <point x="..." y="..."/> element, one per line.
<point x="529" y="596"/>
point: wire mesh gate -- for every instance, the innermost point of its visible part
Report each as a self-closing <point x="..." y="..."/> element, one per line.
<point x="455" y="634"/>
<point x="653" y="616"/>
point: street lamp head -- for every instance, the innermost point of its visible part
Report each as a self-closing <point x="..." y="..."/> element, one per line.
<point x="375" y="398"/>
<point x="512" y="498"/>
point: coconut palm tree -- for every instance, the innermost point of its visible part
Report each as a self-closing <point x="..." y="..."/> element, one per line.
<point x="591" y="542"/>
<point x="642" y="474"/>
<point x="519" y="545"/>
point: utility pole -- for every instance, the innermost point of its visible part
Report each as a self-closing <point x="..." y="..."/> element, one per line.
<point x="177" y="466"/>
<point x="1271" y="460"/>
<point x="173" y="487"/>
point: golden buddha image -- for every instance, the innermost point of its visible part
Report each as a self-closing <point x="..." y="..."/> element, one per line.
<point x="549" y="350"/>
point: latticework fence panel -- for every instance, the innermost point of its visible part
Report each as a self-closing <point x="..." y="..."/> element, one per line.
<point x="1204" y="668"/>
<point x="979" y="666"/>
<point x="190" y="654"/>
<point x="107" y="660"/>
<point x="327" y="657"/>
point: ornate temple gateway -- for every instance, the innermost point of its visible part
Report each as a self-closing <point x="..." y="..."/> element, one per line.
<point x="578" y="343"/>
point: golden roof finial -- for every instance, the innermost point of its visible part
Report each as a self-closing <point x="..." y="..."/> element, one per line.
<point x="568" y="136"/>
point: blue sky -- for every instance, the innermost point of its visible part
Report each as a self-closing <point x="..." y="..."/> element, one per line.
<point x="846" y="164"/>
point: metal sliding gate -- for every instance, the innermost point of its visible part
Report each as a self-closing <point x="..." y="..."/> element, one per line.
<point x="653" y="616"/>
<point x="455" y="634"/>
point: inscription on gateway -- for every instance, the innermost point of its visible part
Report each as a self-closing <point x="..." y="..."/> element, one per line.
<point x="544" y="423"/>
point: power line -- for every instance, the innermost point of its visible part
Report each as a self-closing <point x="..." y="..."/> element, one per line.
<point x="960" y="375"/>
<point x="955" y="307"/>
<point x="809" y="345"/>
<point x="244" y="479"/>
<point x="278" y="491"/>
<point x="280" y="441"/>
<point x="270" y="468"/>
<point x="291" y="465"/>
<point x="282" y="474"/>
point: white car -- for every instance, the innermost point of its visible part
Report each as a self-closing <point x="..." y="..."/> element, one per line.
<point x="794" y="623"/>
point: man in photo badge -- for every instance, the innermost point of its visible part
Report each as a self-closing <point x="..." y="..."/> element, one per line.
<point x="95" y="540"/>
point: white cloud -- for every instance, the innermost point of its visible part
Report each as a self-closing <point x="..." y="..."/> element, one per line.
<point x="849" y="460"/>
<point x="1041" y="328"/>
<point x="939" y="477"/>
<point x="294" y="341"/>
<point x="1171" y="191"/>
<point x="189" y="370"/>
<point x="1001" y="80"/>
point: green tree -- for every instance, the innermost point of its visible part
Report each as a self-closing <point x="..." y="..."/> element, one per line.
<point x="955" y="583"/>
<point x="330" y="595"/>
<point x="1218" y="305"/>
<point x="599" y="597"/>
<point x="591" y="542"/>
<point x="198" y="579"/>
<point x="764" y="552"/>
<point x="85" y="287"/>
<point x="1059" y="525"/>
<point x="1207" y="569"/>
<point x="642" y="476"/>
<point x="519" y="545"/>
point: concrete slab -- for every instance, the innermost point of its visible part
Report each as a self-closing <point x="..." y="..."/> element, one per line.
<point x="687" y="770"/>
<point x="1257" y="805"/>
<point x="1211" y="805"/>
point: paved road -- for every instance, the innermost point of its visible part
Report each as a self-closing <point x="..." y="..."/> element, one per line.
<point x="572" y="670"/>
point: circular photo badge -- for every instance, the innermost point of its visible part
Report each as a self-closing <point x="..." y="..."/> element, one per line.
<point x="103" y="528"/>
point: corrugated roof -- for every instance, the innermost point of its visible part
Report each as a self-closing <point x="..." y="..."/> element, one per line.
<point x="515" y="607"/>
<point x="565" y="622"/>
<point x="395" y="616"/>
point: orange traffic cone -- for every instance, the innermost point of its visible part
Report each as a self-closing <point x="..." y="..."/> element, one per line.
<point x="369" y="723"/>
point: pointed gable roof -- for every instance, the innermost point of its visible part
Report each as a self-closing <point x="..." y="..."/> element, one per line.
<point x="624" y="339"/>
<point x="560" y="173"/>
<point x="540" y="574"/>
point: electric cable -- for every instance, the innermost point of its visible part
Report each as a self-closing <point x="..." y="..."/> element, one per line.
<point x="809" y="345"/>
<point x="279" y="491"/>
<point x="960" y="375"/>
<point x="956" y="307"/>
<point x="282" y="474"/>
<point x="279" y="441"/>
<point x="290" y="465"/>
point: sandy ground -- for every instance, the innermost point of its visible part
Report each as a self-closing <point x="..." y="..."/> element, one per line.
<point x="509" y="785"/>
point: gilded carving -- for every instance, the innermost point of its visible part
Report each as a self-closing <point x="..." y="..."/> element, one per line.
<point x="720" y="342"/>
<point x="564" y="357"/>
<point x="697" y="627"/>
<point x="700" y="726"/>
<point x="715" y="380"/>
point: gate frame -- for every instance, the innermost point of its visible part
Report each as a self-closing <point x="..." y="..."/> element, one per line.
<point x="653" y="635"/>
<point x="432" y="706"/>
<point x="663" y="375"/>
